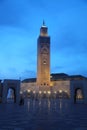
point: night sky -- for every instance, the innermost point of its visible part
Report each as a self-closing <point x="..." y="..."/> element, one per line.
<point x="20" y="22"/>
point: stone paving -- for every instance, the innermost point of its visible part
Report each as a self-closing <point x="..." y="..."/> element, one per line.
<point x="43" y="114"/>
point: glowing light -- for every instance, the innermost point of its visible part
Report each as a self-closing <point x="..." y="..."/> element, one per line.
<point x="49" y="92"/>
<point x="51" y="84"/>
<point x="28" y="90"/>
<point x="60" y="91"/>
<point x="21" y="92"/>
<point x="40" y="92"/>
<point x="55" y="92"/>
<point x="33" y="91"/>
<point x="66" y="91"/>
<point x="44" y="92"/>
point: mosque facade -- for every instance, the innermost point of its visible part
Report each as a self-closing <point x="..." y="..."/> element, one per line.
<point x="56" y="84"/>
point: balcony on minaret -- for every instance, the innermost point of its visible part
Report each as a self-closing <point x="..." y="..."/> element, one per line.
<point x="43" y="30"/>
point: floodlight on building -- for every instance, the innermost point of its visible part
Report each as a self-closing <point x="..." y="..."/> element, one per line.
<point x="34" y="92"/>
<point x="65" y="91"/>
<point x="60" y="91"/>
<point x="40" y="92"/>
<point x="44" y="92"/>
<point x="28" y="91"/>
<point x="49" y="92"/>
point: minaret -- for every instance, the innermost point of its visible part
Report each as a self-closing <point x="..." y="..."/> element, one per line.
<point x="43" y="59"/>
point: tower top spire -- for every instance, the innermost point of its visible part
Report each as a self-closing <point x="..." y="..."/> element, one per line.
<point x="43" y="30"/>
<point x="43" y="23"/>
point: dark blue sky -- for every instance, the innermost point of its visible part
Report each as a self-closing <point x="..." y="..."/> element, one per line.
<point x="20" y="22"/>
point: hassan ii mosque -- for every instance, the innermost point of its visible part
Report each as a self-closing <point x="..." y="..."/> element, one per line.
<point x="46" y="85"/>
<point x="57" y="85"/>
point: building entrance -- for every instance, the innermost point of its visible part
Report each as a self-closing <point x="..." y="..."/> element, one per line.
<point x="11" y="88"/>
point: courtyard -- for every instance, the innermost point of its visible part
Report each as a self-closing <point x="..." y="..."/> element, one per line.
<point x="43" y="114"/>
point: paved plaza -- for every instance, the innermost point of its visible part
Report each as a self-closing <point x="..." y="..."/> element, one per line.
<point x="44" y="114"/>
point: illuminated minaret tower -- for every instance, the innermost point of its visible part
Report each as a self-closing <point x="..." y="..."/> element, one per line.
<point x="43" y="59"/>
